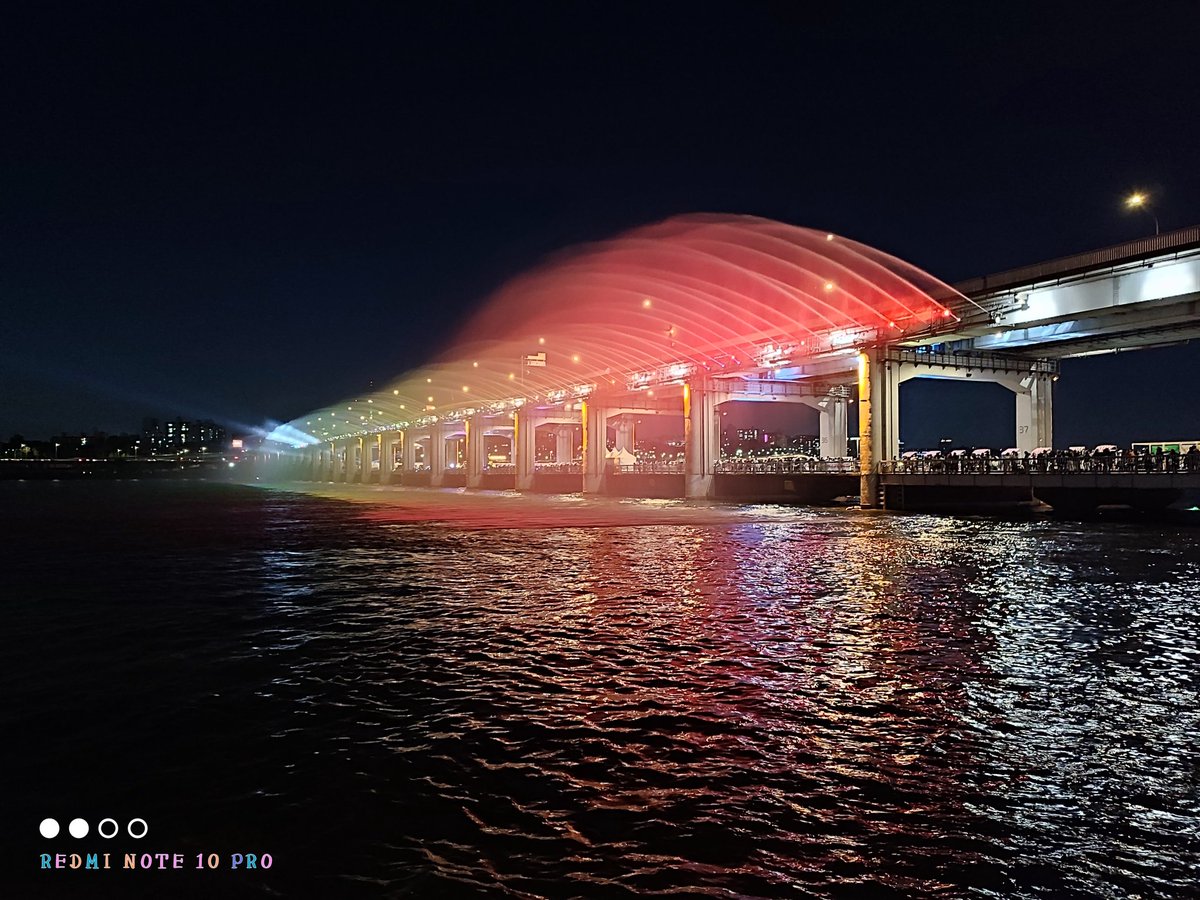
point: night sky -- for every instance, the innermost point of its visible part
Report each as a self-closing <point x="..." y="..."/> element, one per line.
<point x="245" y="212"/>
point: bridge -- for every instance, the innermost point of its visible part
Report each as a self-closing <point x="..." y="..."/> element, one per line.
<point x="680" y="318"/>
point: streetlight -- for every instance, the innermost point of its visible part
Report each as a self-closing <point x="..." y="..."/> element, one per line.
<point x="56" y="451"/>
<point x="1141" y="200"/>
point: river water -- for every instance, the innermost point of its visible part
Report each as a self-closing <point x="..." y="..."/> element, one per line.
<point x="418" y="693"/>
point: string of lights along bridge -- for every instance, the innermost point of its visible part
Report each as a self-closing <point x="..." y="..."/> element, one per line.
<point x="679" y="317"/>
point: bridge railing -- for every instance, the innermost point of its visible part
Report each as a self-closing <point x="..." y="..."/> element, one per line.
<point x="1061" y="462"/>
<point x="658" y="467"/>
<point x="786" y="465"/>
<point x="566" y="468"/>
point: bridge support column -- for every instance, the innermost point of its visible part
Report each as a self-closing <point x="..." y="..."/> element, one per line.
<point x="564" y="451"/>
<point x="409" y="450"/>
<point x="387" y="456"/>
<point x="835" y="415"/>
<point x="626" y="433"/>
<point x="595" y="446"/>
<point x="342" y="468"/>
<point x="701" y="440"/>
<point x="363" y="448"/>
<point x="1035" y="413"/>
<point x="436" y="455"/>
<point x="476" y="451"/>
<point x="878" y="421"/>
<point x="524" y="448"/>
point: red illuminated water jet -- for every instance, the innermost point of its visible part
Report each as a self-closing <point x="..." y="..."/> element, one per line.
<point x="693" y="295"/>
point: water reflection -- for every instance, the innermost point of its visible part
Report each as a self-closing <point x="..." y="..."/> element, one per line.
<point x="755" y="703"/>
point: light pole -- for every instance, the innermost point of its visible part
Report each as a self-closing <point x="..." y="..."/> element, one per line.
<point x="1140" y="200"/>
<point x="56" y="451"/>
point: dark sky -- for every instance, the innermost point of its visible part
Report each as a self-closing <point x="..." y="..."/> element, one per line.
<point x="243" y="212"/>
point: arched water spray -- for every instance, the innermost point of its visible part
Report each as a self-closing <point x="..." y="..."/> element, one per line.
<point x="697" y="294"/>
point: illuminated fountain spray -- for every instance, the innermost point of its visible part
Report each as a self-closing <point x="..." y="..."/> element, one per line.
<point x="697" y="296"/>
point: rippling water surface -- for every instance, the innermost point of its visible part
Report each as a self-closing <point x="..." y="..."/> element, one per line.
<point x="425" y="693"/>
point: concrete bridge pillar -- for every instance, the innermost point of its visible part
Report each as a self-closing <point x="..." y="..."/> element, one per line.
<point x="408" y="440"/>
<point x="436" y="455"/>
<point x="524" y="448"/>
<point x="834" y="414"/>
<point x="595" y="446"/>
<point x="878" y="420"/>
<point x="1035" y="413"/>
<point x="476" y="451"/>
<point x="387" y="456"/>
<point x="564" y="441"/>
<point x="626" y="433"/>
<point x="362" y="448"/>
<point x="701" y="439"/>
<point x="342" y="465"/>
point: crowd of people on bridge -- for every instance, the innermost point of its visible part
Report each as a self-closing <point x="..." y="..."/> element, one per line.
<point x="1103" y="460"/>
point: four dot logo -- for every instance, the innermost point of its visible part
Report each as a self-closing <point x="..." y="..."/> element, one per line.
<point x="108" y="828"/>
